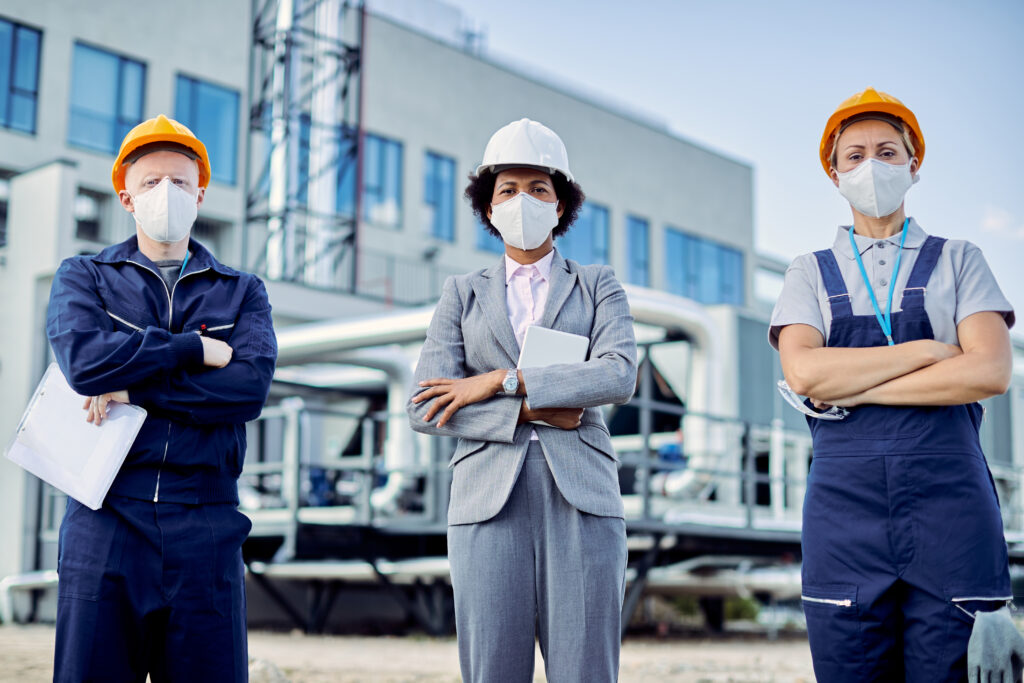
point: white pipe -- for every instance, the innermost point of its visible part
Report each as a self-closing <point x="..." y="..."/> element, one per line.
<point x="308" y="342"/>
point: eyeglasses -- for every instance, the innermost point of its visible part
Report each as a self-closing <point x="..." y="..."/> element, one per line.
<point x="793" y="399"/>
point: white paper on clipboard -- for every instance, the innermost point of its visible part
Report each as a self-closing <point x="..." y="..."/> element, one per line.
<point x="55" y="443"/>
<point x="543" y="346"/>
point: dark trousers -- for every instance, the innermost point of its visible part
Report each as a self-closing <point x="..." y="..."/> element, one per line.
<point x="151" y="588"/>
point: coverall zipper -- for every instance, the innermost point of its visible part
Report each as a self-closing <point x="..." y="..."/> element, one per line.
<point x="170" y="318"/>
<point x="826" y="601"/>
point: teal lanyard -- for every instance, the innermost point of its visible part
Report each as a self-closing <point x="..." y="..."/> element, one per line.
<point x="184" y="263"/>
<point x="884" y="321"/>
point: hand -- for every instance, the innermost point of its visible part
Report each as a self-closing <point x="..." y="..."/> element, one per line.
<point x="995" y="651"/>
<point x="943" y="351"/>
<point x="844" y="402"/>
<point x="820" y="405"/>
<point x="97" y="406"/>
<point x="456" y="393"/>
<point x="563" y="418"/>
<point x="216" y="354"/>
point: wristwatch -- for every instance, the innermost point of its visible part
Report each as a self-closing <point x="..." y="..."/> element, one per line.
<point x="510" y="385"/>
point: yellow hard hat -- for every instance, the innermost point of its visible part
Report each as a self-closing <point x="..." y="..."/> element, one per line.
<point x="159" y="130"/>
<point x="870" y="100"/>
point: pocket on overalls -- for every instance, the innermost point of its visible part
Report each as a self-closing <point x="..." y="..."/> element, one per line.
<point x="833" y="625"/>
<point x="89" y="548"/>
<point x="880" y="422"/>
<point x="962" y="609"/>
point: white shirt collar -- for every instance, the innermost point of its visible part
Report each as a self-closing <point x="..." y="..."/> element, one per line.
<point x="543" y="266"/>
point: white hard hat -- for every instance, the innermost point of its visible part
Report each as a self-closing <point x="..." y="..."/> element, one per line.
<point x="525" y="143"/>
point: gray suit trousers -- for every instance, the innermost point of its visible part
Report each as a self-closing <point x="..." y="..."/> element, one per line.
<point x="540" y="568"/>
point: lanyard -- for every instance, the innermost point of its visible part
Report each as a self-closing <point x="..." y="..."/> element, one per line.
<point x="884" y="321"/>
<point x="184" y="263"/>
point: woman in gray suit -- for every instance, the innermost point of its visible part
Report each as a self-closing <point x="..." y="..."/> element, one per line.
<point x="536" y="536"/>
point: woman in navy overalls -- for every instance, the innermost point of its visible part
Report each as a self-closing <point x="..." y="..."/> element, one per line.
<point x="902" y="534"/>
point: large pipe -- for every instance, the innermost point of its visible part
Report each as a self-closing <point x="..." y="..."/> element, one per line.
<point x="311" y="342"/>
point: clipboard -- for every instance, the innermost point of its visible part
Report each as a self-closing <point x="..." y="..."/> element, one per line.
<point x="55" y="443"/>
<point x="543" y="346"/>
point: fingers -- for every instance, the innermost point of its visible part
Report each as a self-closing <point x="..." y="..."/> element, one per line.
<point x="437" y="381"/>
<point x="427" y="394"/>
<point x="449" y="413"/>
<point x="96" y="407"/>
<point x="439" y="402"/>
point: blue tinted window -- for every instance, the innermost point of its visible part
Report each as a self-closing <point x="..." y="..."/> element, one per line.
<point x="702" y="270"/>
<point x="587" y="239"/>
<point x="382" y="181"/>
<point x="212" y="113"/>
<point x="732" y="276"/>
<point x="439" y="195"/>
<point x="19" y="76"/>
<point x="348" y="157"/>
<point x="345" y="158"/>
<point x="488" y="242"/>
<point x="106" y="98"/>
<point x="637" y="252"/>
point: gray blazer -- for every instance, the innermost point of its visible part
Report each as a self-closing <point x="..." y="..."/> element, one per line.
<point x="470" y="334"/>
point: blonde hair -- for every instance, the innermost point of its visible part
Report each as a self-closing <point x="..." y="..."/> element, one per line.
<point x="905" y="135"/>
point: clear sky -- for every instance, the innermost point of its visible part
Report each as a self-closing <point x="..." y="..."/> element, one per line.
<point x="758" y="80"/>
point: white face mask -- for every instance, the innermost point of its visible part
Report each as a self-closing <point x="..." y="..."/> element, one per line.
<point x="166" y="213"/>
<point x="876" y="188"/>
<point x="524" y="221"/>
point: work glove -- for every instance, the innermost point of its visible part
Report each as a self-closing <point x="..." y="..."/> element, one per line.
<point x="995" y="651"/>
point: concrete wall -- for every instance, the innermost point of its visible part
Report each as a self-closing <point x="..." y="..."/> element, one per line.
<point x="38" y="237"/>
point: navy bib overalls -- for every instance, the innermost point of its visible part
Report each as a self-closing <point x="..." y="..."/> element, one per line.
<point x="901" y="524"/>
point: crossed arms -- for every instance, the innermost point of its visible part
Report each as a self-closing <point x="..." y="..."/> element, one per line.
<point x="182" y="376"/>
<point x="471" y="407"/>
<point x="923" y="372"/>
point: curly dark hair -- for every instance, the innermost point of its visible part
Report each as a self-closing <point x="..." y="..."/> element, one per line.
<point x="480" y="191"/>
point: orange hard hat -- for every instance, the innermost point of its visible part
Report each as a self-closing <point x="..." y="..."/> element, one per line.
<point x="869" y="101"/>
<point x="159" y="130"/>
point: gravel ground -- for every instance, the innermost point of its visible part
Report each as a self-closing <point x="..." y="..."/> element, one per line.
<point x="26" y="653"/>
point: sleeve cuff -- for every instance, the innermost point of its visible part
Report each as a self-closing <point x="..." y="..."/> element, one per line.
<point x="187" y="348"/>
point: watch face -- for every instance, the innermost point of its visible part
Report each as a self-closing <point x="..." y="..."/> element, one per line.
<point x="510" y="384"/>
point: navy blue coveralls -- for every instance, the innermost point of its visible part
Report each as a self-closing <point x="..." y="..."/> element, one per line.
<point x="153" y="582"/>
<point x="901" y="523"/>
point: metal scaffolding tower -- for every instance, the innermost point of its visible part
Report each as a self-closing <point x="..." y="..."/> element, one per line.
<point x="304" y="157"/>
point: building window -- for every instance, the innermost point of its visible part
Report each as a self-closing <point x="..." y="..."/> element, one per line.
<point x="439" y="196"/>
<point x="211" y="112"/>
<point x="382" y="182"/>
<point x="88" y="210"/>
<point x="211" y="234"/>
<point x="587" y="239"/>
<point x="637" y="252"/>
<point x="19" y="76"/>
<point x="702" y="270"/>
<point x="485" y="241"/>
<point x="348" y="158"/>
<point x="106" y="98"/>
<point x="5" y="193"/>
